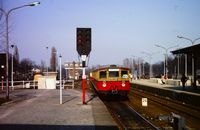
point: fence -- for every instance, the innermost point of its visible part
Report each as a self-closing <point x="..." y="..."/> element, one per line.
<point x="19" y="84"/>
<point x="34" y="84"/>
<point x="65" y="84"/>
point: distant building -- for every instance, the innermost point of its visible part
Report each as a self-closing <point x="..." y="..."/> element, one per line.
<point x="73" y="70"/>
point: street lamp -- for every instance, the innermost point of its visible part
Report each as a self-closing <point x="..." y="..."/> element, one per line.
<point x="7" y="39"/>
<point x="60" y="70"/>
<point x="60" y="57"/>
<point x="12" y="46"/>
<point x="166" y="57"/>
<point x="150" y="66"/>
<point x="139" y="69"/>
<point x="47" y="61"/>
<point x="193" y="42"/>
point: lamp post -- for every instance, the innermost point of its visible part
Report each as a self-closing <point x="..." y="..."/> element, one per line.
<point x="47" y="61"/>
<point x="150" y="66"/>
<point x="7" y="39"/>
<point x="193" y="42"/>
<point x="139" y="68"/>
<point x="12" y="46"/>
<point x="60" y="75"/>
<point x="60" y="57"/>
<point x="166" y="57"/>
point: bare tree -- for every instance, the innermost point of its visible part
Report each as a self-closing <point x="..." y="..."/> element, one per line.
<point x="42" y="66"/>
<point x="16" y="54"/>
<point x="1" y="6"/>
<point x="128" y="62"/>
<point x="53" y="61"/>
<point x="2" y="29"/>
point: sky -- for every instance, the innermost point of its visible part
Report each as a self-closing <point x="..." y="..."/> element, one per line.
<point x="120" y="28"/>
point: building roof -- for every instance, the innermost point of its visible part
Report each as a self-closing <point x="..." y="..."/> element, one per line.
<point x="188" y="50"/>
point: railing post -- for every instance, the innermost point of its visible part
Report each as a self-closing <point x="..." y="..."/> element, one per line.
<point x="13" y="85"/>
<point x="34" y="84"/>
<point x="23" y="83"/>
<point x="2" y="85"/>
<point x="73" y="84"/>
<point x="63" y="84"/>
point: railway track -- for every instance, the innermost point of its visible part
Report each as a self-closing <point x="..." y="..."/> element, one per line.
<point x="126" y="112"/>
<point x="126" y="117"/>
<point x="177" y="106"/>
<point x="167" y="106"/>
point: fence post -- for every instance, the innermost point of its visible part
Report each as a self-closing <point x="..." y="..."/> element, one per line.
<point x="2" y="85"/>
<point x="13" y="85"/>
<point x="34" y="84"/>
<point x="73" y="84"/>
<point x="63" y="87"/>
<point x="23" y="83"/>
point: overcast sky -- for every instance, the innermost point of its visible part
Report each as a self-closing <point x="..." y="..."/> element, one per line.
<point x="120" y="28"/>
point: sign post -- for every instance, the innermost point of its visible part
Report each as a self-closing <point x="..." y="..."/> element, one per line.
<point x="83" y="58"/>
<point x="2" y="69"/>
<point x="144" y="102"/>
<point x="83" y="47"/>
<point x="60" y="57"/>
<point x="2" y="83"/>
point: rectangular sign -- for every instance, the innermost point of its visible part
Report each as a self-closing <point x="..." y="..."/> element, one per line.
<point x="113" y="69"/>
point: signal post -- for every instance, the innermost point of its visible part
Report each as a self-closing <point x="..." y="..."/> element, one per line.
<point x="83" y="58"/>
<point x="83" y="47"/>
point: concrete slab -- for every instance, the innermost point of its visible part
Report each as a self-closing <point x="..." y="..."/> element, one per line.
<point x="188" y="95"/>
<point x="43" y="111"/>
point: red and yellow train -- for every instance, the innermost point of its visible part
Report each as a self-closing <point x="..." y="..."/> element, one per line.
<point x="111" y="80"/>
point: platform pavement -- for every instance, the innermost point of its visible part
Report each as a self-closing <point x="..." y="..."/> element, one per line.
<point x="187" y="89"/>
<point x="43" y="111"/>
<point x="188" y="95"/>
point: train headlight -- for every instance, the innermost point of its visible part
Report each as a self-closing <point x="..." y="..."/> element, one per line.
<point x="123" y="84"/>
<point x="104" y="84"/>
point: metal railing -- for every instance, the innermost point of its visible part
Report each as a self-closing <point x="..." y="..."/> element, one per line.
<point x="34" y="84"/>
<point x="65" y="84"/>
<point x="19" y="84"/>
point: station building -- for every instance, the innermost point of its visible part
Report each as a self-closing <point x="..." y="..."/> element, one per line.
<point x="193" y="62"/>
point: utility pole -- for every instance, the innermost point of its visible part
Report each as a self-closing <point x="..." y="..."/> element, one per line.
<point x="7" y="39"/>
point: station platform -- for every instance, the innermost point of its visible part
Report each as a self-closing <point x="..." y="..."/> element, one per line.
<point x="187" y="95"/>
<point x="41" y="109"/>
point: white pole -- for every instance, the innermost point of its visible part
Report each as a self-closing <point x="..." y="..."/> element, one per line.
<point x="178" y="65"/>
<point x="12" y="69"/>
<point x="185" y="64"/>
<point x="150" y="68"/>
<point x="47" y="62"/>
<point x="193" y="69"/>
<point x="166" y="67"/>
<point x="164" y="64"/>
<point x="60" y="80"/>
<point x="23" y="84"/>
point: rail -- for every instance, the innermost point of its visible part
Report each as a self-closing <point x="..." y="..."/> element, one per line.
<point x="65" y="84"/>
<point x="33" y="84"/>
<point x="128" y="118"/>
<point x="19" y="84"/>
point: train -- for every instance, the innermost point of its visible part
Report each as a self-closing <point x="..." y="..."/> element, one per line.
<point x="111" y="80"/>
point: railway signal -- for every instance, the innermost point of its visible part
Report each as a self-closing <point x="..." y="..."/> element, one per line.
<point x="3" y="65"/>
<point x="83" y="41"/>
<point x="83" y="47"/>
<point x="2" y="68"/>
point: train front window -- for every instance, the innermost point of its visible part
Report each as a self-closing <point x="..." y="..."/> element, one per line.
<point x="113" y="73"/>
<point x="102" y="74"/>
<point x="124" y="74"/>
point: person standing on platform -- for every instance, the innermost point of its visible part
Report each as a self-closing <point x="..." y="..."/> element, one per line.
<point x="183" y="80"/>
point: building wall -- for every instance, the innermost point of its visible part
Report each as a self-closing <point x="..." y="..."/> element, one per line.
<point x="73" y="70"/>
